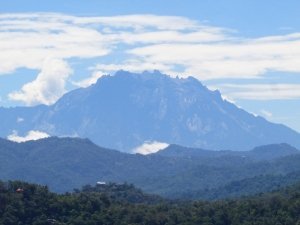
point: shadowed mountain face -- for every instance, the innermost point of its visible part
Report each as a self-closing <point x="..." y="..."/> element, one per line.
<point x="125" y="110"/>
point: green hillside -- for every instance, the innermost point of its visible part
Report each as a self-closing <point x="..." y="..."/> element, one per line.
<point x="29" y="204"/>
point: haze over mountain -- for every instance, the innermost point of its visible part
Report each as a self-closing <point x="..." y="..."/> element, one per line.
<point x="126" y="110"/>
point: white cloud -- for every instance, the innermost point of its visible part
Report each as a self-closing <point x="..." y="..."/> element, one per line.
<point x="140" y="21"/>
<point x="261" y="91"/>
<point x="27" y="43"/>
<point x="29" y="40"/>
<point x="136" y="67"/>
<point x="150" y="147"/>
<point x="20" y="120"/>
<point x="47" y="87"/>
<point x="43" y="35"/>
<point x="31" y="135"/>
<point x="90" y="80"/>
<point x="228" y="99"/>
<point x="137" y="43"/>
<point x="266" y="113"/>
<point x="164" y="41"/>
<point x="230" y="59"/>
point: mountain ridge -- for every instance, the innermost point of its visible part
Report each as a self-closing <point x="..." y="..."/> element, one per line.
<point x="126" y="110"/>
<point x="264" y="152"/>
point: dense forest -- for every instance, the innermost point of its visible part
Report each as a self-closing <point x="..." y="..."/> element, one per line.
<point x="29" y="204"/>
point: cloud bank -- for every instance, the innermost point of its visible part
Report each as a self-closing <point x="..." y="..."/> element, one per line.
<point x="174" y="45"/>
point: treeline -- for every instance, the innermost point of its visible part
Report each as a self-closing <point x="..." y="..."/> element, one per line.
<point x="29" y="204"/>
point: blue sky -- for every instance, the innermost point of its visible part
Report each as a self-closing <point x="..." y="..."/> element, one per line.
<point x="250" y="49"/>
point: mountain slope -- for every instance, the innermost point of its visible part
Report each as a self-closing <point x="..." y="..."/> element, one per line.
<point x="125" y="110"/>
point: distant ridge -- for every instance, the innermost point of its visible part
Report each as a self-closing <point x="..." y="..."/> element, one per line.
<point x="265" y="152"/>
<point x="67" y="163"/>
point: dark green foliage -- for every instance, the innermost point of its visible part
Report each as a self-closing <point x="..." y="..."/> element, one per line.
<point x="122" y="192"/>
<point x="103" y="205"/>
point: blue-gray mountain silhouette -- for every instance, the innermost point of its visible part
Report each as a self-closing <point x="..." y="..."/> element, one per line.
<point x="127" y="109"/>
<point x="67" y="163"/>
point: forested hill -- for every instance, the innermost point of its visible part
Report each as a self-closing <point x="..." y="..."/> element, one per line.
<point x="29" y="204"/>
<point x="67" y="163"/>
<point x="264" y="152"/>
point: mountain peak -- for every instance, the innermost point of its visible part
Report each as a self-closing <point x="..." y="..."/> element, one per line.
<point x="126" y="110"/>
<point x="154" y="75"/>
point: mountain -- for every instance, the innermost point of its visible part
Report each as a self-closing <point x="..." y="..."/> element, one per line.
<point x="67" y="163"/>
<point x="126" y="110"/>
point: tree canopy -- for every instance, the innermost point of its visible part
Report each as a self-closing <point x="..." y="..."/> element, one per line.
<point x="30" y="204"/>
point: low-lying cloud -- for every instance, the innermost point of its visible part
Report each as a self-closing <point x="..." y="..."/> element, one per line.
<point x="31" y="135"/>
<point x="150" y="147"/>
